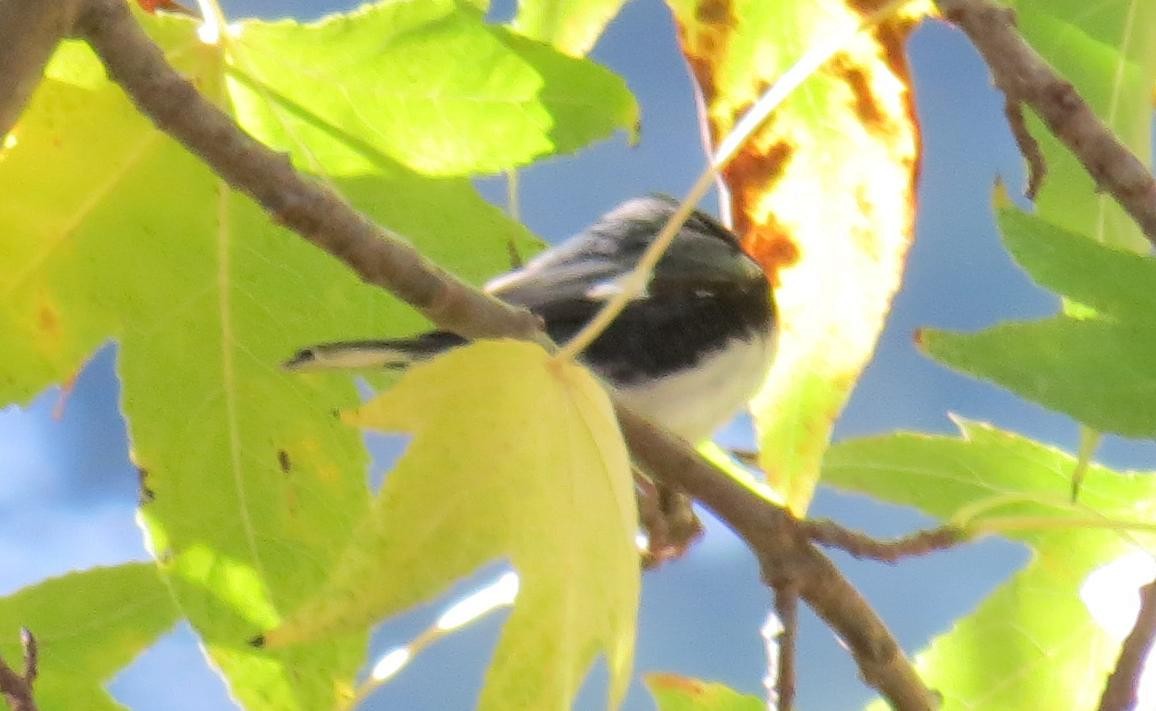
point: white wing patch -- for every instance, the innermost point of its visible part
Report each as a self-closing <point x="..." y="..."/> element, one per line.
<point x="606" y="290"/>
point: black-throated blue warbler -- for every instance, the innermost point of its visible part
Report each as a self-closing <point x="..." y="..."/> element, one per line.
<point x="688" y="353"/>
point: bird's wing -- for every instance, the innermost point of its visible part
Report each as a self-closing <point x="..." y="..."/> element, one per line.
<point x="563" y="281"/>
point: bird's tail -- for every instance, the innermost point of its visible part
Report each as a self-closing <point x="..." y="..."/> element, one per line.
<point x="397" y="353"/>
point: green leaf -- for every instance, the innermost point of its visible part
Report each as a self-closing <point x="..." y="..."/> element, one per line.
<point x="517" y="455"/>
<point x="1108" y="51"/>
<point x="1032" y="643"/>
<point x="1099" y="372"/>
<point x="1113" y="281"/>
<point x="679" y="693"/>
<point x="424" y="83"/>
<point x="573" y="26"/>
<point x="113" y="231"/>
<point x="88" y="625"/>
<point x="1096" y="369"/>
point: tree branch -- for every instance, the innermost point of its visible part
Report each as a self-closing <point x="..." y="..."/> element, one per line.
<point x="1120" y="693"/>
<point x="787" y="610"/>
<point x="1023" y="76"/>
<point x="32" y="30"/>
<point x="305" y="206"/>
<point x="787" y="558"/>
<point x="17" y="687"/>
<point x="832" y="535"/>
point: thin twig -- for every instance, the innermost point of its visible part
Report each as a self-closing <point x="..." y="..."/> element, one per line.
<point x="31" y="651"/>
<point x="1028" y="145"/>
<point x="17" y="687"/>
<point x="860" y="545"/>
<point x="323" y="218"/>
<point x="1120" y="693"/>
<point x="669" y="520"/>
<point x="1023" y="76"/>
<point x="787" y="610"/>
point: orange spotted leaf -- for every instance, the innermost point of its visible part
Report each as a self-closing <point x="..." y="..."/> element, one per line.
<point x="823" y="195"/>
<point x="151" y="6"/>
<point x="672" y="692"/>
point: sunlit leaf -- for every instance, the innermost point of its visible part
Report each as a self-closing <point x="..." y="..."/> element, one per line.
<point x="1033" y="643"/>
<point x="424" y="83"/>
<point x="679" y="693"/>
<point x="573" y="26"/>
<point x="514" y="455"/>
<point x="1108" y="51"/>
<point x="110" y="230"/>
<point x="88" y="626"/>
<point x="823" y="196"/>
<point x="1096" y="368"/>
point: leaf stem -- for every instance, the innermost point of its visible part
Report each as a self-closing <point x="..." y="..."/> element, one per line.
<point x="514" y="210"/>
<point x="1041" y="523"/>
<point x="1081" y="516"/>
<point x="513" y="206"/>
<point x="214" y="27"/>
<point x="1089" y="443"/>
<point x="471" y="608"/>
<point x="962" y="519"/>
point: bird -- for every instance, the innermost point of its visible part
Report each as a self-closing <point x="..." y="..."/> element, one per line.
<point x="687" y="353"/>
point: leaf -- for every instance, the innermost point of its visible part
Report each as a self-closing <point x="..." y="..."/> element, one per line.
<point x="823" y="195"/>
<point x="573" y="26"/>
<point x="1032" y="643"/>
<point x="679" y="693"/>
<point x="88" y="625"/>
<point x="422" y="83"/>
<point x="1097" y="368"/>
<point x="514" y="454"/>
<point x="113" y="231"/>
<point x="1108" y="51"/>
<point x="1098" y="372"/>
<point x="1112" y="281"/>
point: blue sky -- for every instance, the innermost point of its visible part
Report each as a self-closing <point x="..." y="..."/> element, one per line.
<point x="68" y="495"/>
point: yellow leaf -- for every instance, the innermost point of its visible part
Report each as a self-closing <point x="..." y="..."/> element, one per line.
<point x="514" y="455"/>
<point x="823" y="195"/>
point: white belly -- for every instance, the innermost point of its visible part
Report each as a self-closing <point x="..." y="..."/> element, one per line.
<point x="695" y="404"/>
